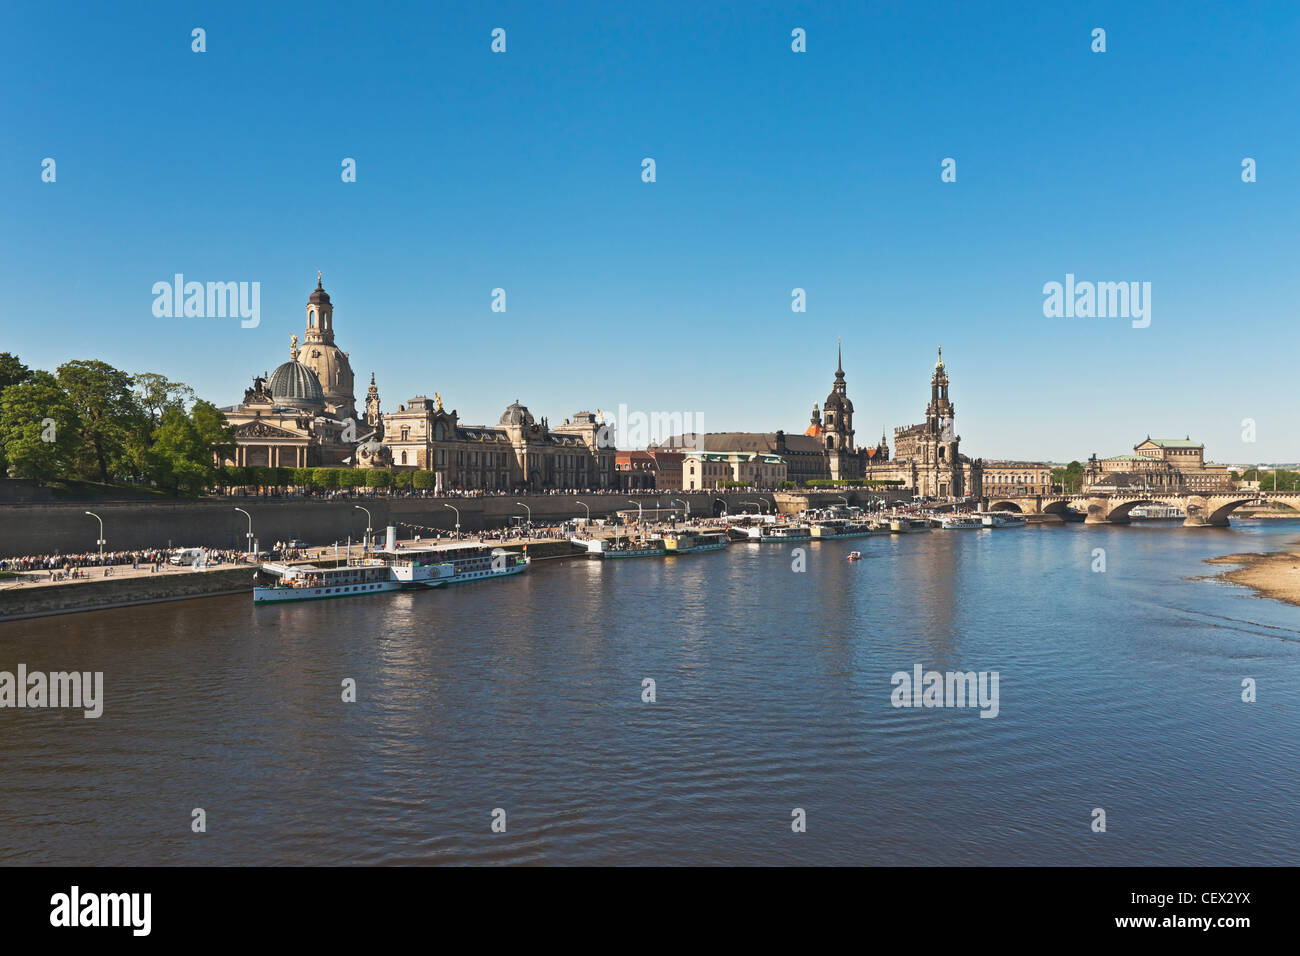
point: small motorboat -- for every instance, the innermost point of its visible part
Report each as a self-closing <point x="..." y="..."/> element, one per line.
<point x="855" y="555"/>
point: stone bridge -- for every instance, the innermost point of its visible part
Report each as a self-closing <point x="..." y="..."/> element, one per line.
<point x="1202" y="510"/>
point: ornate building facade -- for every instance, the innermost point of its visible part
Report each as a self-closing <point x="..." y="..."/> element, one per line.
<point x="303" y="414"/>
<point x="1158" y="464"/>
<point x="518" y="453"/>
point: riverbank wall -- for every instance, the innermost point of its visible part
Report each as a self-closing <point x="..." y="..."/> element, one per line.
<point x="43" y="600"/>
<point x="65" y="528"/>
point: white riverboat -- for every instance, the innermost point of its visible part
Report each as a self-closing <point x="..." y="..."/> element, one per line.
<point x="844" y="528"/>
<point x="468" y="562"/>
<point x="277" y="583"/>
<point x="959" y="522"/>
<point x="394" y="569"/>
<point x="1156" y="513"/>
<point x="1003" y="519"/>
<point x="786" y="532"/>
<point x="616" y="548"/>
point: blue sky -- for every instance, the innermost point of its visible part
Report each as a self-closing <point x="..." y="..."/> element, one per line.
<point x="775" y="170"/>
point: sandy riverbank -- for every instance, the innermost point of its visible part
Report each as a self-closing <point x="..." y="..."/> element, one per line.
<point x="1271" y="574"/>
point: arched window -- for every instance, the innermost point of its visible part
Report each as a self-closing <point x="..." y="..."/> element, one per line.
<point x="403" y="458"/>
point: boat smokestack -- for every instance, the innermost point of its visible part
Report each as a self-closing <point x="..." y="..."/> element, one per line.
<point x="390" y="540"/>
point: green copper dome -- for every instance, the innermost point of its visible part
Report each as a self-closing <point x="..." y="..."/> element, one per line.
<point x="295" y="384"/>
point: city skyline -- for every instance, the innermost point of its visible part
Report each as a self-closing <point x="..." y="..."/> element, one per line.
<point x="523" y="171"/>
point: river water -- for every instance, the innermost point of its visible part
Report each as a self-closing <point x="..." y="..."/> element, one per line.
<point x="1118" y="689"/>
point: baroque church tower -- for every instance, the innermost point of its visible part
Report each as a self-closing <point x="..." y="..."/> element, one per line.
<point x="327" y="360"/>
<point x="837" y="427"/>
<point x="941" y="433"/>
<point x="374" y="419"/>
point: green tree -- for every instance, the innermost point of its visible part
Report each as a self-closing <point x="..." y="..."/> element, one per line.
<point x="156" y="394"/>
<point x="302" y="477"/>
<point x="422" y="480"/>
<point x="379" y="478"/>
<point x="1070" y="478"/>
<point x="402" y="479"/>
<point x="109" y="416"/>
<point x="12" y="372"/>
<point x="38" y="428"/>
<point x="184" y="449"/>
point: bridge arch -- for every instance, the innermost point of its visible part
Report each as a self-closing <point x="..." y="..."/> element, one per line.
<point x="1220" y="514"/>
<point x="1004" y="506"/>
<point x="1120" y="512"/>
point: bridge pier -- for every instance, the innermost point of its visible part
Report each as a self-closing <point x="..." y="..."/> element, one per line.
<point x="1200" y="521"/>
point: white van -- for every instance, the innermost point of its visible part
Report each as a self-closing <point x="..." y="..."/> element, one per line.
<point x="186" y="556"/>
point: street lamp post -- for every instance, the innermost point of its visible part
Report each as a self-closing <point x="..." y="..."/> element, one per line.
<point x="588" y="507"/>
<point x="686" y="505"/>
<point x="250" y="529"/>
<point x="101" y="534"/>
<point x="724" y="506"/>
<point x="638" y="509"/>
<point x="755" y="504"/>
<point x="529" y="510"/>
<point x="368" y="528"/>
<point x="843" y="499"/>
<point x="457" y="510"/>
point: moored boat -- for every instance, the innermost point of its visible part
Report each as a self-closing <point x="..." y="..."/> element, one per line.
<point x="959" y="522"/>
<point x="903" y="524"/>
<point x="786" y="532"/>
<point x="1003" y="519"/>
<point x="690" y="542"/>
<point x="276" y="583"/>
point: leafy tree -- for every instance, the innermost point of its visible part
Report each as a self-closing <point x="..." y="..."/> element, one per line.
<point x="155" y="394"/>
<point x="185" y="447"/>
<point x="38" y="428"/>
<point x="422" y="480"/>
<point x="12" y="371"/>
<point x="302" y="477"/>
<point x="402" y="479"/>
<point x="379" y="478"/>
<point x="108" y="415"/>
<point x="1070" y="478"/>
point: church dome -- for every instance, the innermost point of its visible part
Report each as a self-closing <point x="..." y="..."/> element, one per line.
<point x="295" y="384"/>
<point x="516" y="414"/>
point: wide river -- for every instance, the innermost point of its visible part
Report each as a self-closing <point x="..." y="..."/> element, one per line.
<point x="1118" y="689"/>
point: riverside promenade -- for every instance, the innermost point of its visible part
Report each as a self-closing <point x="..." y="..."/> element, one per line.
<point x="32" y="594"/>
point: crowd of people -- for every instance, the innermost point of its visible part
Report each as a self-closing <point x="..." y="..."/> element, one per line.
<point x="354" y="493"/>
<point x="71" y="567"/>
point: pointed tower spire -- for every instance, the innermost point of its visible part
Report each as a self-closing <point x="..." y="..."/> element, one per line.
<point x="839" y="357"/>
